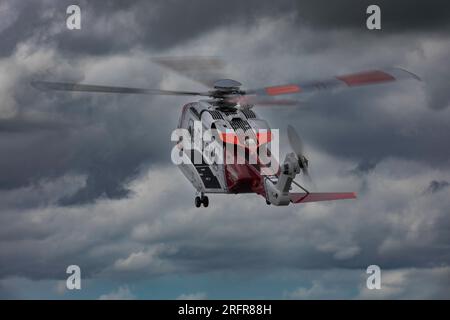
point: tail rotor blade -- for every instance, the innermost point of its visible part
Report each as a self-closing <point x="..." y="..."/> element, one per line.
<point x="297" y="146"/>
<point x="295" y="141"/>
<point x="309" y="180"/>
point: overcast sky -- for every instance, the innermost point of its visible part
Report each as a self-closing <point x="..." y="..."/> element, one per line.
<point x="87" y="179"/>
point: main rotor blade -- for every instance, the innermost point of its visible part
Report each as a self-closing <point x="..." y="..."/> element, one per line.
<point x="202" y="69"/>
<point x="244" y="100"/>
<point x="338" y="82"/>
<point x="66" y="86"/>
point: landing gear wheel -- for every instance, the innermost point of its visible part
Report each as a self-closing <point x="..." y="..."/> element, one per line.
<point x="205" y="201"/>
<point x="268" y="202"/>
<point x="198" y="202"/>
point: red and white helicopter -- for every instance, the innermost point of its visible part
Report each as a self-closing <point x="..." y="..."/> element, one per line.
<point x="226" y="108"/>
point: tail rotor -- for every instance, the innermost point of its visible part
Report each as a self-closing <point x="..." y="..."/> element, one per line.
<point x="296" y="144"/>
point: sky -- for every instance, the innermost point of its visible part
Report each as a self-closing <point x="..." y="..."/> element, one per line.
<point x="88" y="179"/>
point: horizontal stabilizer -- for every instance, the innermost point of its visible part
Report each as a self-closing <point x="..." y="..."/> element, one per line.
<point x="321" y="196"/>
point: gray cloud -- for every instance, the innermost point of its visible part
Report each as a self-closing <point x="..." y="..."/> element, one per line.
<point x="160" y="25"/>
<point x="86" y="178"/>
<point x="122" y="293"/>
<point x="436" y="186"/>
<point x="398" y="284"/>
<point x="149" y="235"/>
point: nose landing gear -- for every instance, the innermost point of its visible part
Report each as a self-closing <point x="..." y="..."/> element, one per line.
<point x="201" y="200"/>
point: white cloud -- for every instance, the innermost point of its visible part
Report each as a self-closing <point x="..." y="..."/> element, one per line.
<point x="193" y="296"/>
<point x="148" y="261"/>
<point x="402" y="283"/>
<point x="428" y="283"/>
<point x="122" y="293"/>
<point x="316" y="291"/>
<point x="8" y="15"/>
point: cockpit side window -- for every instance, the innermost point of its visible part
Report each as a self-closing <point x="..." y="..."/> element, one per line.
<point x="195" y="113"/>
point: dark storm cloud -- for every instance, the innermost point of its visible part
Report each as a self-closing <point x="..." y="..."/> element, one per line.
<point x="104" y="137"/>
<point x="110" y="155"/>
<point x="150" y="234"/>
<point x="17" y="125"/>
<point x="119" y="26"/>
<point x="113" y="26"/>
<point x="372" y="134"/>
<point x="436" y="186"/>
<point x="69" y="155"/>
<point x="397" y="16"/>
<point x="364" y="167"/>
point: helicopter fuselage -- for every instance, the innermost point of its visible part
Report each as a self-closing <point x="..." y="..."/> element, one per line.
<point x="232" y="177"/>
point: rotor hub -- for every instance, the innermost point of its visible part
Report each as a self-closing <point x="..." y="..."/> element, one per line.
<point x="224" y="92"/>
<point x="227" y="85"/>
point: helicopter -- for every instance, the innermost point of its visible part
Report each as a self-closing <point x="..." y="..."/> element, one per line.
<point x="228" y="111"/>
